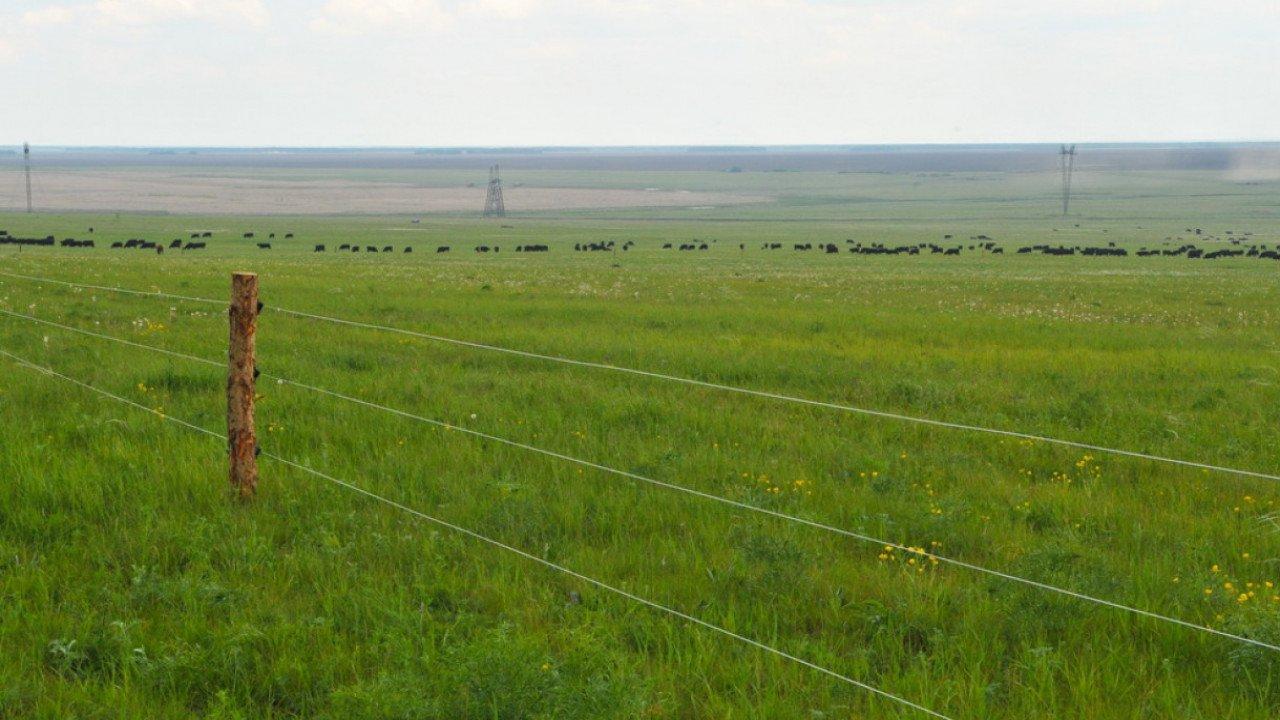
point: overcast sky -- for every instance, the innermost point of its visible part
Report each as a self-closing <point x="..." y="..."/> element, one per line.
<point x="636" y="72"/>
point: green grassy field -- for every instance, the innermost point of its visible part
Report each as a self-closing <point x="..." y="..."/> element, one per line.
<point x="131" y="585"/>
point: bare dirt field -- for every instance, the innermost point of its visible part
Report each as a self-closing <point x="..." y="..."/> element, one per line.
<point x="188" y="193"/>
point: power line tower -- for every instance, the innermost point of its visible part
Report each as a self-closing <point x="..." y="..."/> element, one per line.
<point x="26" y="166"/>
<point x="1067" y="158"/>
<point x="493" y="205"/>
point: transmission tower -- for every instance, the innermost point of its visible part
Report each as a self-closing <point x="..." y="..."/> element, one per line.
<point x="493" y="205"/>
<point x="1067" y="156"/>
<point x="26" y="166"/>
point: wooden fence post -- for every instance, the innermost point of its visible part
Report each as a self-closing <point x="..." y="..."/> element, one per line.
<point x="241" y="436"/>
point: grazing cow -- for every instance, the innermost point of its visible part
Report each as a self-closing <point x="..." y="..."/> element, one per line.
<point x="288" y="236"/>
<point x="408" y="248"/>
<point x="90" y="231"/>
<point x="264" y="246"/>
<point x="193" y="246"/>
<point x="206" y="234"/>
<point x="272" y="236"/>
<point x="442" y="249"/>
<point x="159" y="249"/>
<point x="117" y="244"/>
<point x="370" y="248"/>
<point x="344" y="246"/>
<point x="248" y="236"/>
<point x="319" y="248"/>
<point x="388" y="249"/>
<point x="177" y="243"/>
<point x="666" y="246"/>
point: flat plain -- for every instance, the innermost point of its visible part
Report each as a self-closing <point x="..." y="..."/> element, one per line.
<point x="133" y="586"/>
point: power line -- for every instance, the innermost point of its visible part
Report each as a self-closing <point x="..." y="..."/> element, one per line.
<point x="688" y="490"/>
<point x="26" y="166"/>
<point x="702" y="383"/>
<point x="499" y="544"/>
<point x="493" y="203"/>
<point x="1067" y="157"/>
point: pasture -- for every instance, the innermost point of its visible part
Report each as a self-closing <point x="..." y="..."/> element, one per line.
<point x="133" y="586"/>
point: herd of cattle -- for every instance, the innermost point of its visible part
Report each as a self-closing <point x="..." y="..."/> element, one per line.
<point x="1232" y="245"/>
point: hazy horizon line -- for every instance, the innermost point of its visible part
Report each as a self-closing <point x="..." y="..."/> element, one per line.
<point x="710" y="147"/>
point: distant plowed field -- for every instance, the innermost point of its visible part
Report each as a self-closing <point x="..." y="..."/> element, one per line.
<point x="187" y="193"/>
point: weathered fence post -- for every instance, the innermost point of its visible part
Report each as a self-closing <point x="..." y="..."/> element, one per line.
<point x="241" y="437"/>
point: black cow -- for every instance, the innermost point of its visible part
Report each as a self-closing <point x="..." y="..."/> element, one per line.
<point x="264" y="246"/>
<point x="319" y="248"/>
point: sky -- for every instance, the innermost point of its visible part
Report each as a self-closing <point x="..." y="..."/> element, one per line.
<point x="636" y="72"/>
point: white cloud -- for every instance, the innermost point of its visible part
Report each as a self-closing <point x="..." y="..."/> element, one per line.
<point x="146" y="12"/>
<point x="51" y="15"/>
<point x="141" y="13"/>
<point x="356" y="17"/>
<point x="503" y="9"/>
